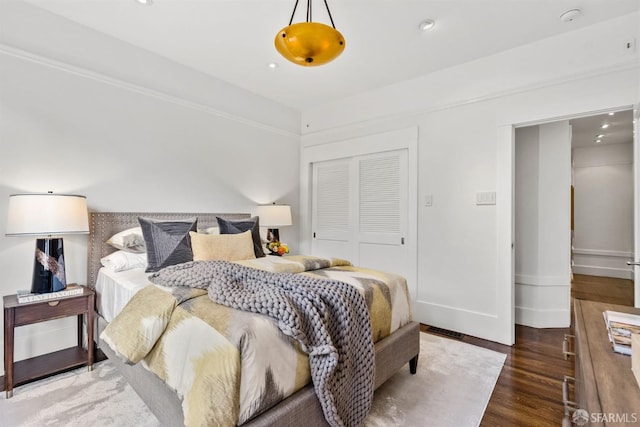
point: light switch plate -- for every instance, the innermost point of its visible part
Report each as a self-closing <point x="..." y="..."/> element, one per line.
<point x="486" y="198"/>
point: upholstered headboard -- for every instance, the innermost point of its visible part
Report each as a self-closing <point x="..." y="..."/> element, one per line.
<point x="103" y="225"/>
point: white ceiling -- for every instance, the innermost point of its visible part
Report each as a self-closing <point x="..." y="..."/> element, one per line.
<point x="584" y="131"/>
<point x="233" y="39"/>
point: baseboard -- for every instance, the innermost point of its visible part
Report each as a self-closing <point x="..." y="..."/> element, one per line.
<point x="533" y="280"/>
<point x="603" y="253"/>
<point x="602" y="263"/>
<point x="537" y="318"/>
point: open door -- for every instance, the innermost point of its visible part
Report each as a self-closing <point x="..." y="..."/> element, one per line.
<point x="636" y="207"/>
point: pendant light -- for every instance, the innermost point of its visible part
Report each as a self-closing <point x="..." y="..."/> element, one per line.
<point x="309" y="43"/>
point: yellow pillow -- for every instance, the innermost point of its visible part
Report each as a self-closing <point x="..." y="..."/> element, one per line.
<point x="225" y="247"/>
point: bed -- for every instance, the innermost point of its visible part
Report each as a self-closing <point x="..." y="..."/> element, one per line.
<point x="302" y="407"/>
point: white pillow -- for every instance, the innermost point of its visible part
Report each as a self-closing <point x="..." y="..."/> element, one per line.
<point x="130" y="240"/>
<point x="123" y="260"/>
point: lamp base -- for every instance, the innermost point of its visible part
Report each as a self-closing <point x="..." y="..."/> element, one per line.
<point x="273" y="235"/>
<point x="48" y="267"/>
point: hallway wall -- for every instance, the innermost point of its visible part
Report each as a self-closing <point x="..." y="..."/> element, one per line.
<point x="603" y="218"/>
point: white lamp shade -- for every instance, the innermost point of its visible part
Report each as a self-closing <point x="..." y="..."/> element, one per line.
<point x="47" y="214"/>
<point x="274" y="216"/>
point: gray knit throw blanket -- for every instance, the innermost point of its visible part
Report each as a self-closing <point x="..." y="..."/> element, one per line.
<point x="328" y="317"/>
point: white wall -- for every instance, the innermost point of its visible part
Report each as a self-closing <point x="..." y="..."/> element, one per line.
<point x="542" y="225"/>
<point x="84" y="120"/>
<point x="465" y="117"/>
<point x="527" y="166"/>
<point x="603" y="219"/>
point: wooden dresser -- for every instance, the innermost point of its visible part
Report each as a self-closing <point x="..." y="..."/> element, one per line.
<point x="605" y="387"/>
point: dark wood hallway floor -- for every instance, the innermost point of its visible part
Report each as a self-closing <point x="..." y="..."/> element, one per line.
<point x="603" y="289"/>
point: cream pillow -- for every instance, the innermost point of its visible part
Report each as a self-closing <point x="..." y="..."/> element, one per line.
<point x="225" y="247"/>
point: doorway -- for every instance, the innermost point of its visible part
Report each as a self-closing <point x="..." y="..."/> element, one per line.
<point x="602" y="217"/>
<point x="573" y="214"/>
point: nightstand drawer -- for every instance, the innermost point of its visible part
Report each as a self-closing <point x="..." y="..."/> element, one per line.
<point x="35" y="312"/>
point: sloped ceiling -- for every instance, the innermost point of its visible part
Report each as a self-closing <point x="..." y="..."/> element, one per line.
<point x="233" y="39"/>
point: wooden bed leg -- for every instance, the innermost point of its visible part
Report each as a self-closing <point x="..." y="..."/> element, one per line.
<point x="413" y="365"/>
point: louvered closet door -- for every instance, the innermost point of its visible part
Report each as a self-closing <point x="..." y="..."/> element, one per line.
<point x="331" y="212"/>
<point x="382" y="211"/>
<point x="360" y="210"/>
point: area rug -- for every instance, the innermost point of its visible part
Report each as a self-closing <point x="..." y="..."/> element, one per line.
<point x="451" y="388"/>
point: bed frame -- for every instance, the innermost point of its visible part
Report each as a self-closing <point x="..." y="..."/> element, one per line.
<point x="301" y="408"/>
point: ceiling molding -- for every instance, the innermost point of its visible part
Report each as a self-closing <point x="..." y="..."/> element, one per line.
<point x="131" y="87"/>
<point x="309" y="137"/>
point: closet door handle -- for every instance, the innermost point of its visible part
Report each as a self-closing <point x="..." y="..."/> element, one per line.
<point x="633" y="263"/>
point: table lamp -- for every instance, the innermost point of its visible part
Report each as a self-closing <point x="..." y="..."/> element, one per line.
<point x="272" y="217"/>
<point x="47" y="215"/>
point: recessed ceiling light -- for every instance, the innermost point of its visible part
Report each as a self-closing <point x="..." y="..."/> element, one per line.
<point x="427" y="24"/>
<point x="145" y="2"/>
<point x="604" y="126"/>
<point x="598" y="141"/>
<point x="570" y="15"/>
<point x="600" y="136"/>
<point x="611" y="113"/>
<point x="273" y="65"/>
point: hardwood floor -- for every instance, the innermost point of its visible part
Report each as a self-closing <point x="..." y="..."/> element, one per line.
<point x="604" y="289"/>
<point x="529" y="389"/>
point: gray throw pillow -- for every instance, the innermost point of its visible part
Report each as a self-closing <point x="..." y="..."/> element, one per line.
<point x="167" y="241"/>
<point x="235" y="226"/>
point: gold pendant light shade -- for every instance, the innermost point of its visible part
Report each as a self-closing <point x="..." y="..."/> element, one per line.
<point x="309" y="43"/>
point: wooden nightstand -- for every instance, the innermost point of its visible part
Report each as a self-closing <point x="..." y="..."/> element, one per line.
<point x="16" y="314"/>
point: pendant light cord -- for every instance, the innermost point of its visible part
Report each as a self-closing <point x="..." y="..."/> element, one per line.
<point x="294" y="12"/>
<point x="309" y="11"/>
<point x="329" y="12"/>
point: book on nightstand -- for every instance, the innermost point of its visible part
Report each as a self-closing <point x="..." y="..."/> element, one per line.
<point x="620" y="327"/>
<point x="70" y="290"/>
